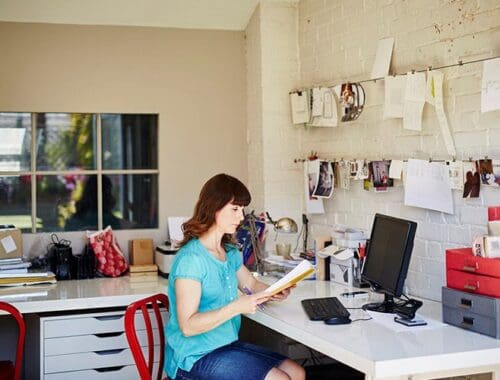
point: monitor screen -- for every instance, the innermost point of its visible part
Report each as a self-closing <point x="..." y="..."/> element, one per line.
<point x="388" y="254"/>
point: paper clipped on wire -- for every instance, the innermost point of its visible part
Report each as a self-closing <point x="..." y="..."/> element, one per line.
<point x="300" y="272"/>
<point x="490" y="86"/>
<point x="300" y="107"/>
<point x="383" y="58"/>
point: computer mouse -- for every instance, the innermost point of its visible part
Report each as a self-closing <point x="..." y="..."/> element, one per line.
<point x="337" y="321"/>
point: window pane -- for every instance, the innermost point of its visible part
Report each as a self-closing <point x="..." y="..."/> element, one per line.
<point x="58" y="199"/>
<point x="15" y="201"/>
<point x="15" y="141"/>
<point x="133" y="199"/>
<point x="129" y="141"/>
<point x="66" y="141"/>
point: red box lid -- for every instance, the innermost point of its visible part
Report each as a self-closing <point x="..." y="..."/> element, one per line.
<point x="493" y="213"/>
<point x="462" y="259"/>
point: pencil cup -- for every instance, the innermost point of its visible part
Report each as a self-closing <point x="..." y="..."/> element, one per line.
<point x="284" y="249"/>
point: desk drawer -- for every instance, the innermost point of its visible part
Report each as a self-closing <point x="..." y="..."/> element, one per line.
<point x="471" y="321"/>
<point x="473" y="303"/>
<point x="110" y="373"/>
<point x="92" y="324"/>
<point x="89" y="343"/>
<point x="91" y="360"/>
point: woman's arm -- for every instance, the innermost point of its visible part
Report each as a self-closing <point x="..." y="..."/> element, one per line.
<point x="192" y="322"/>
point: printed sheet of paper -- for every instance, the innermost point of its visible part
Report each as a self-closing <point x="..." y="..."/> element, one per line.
<point x="311" y="178"/>
<point x="383" y="58"/>
<point x="396" y="169"/>
<point x="394" y="96"/>
<point x="300" y="107"/>
<point x="456" y="172"/>
<point x="437" y="80"/>
<point x="427" y="186"/>
<point x="414" y="101"/>
<point x="490" y="85"/>
<point x="324" y="108"/>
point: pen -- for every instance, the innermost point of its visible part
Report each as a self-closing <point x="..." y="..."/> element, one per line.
<point x="248" y="292"/>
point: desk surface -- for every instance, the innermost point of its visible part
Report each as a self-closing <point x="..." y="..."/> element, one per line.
<point x="376" y="349"/>
<point x="94" y="293"/>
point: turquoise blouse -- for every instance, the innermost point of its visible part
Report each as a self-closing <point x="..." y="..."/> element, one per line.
<point x="219" y="287"/>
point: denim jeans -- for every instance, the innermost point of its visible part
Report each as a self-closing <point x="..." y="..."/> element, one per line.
<point x="236" y="361"/>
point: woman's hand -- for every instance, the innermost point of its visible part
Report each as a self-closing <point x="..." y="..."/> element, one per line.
<point x="283" y="294"/>
<point x="248" y="304"/>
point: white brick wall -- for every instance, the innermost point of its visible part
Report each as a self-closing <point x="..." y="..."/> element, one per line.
<point x="337" y="41"/>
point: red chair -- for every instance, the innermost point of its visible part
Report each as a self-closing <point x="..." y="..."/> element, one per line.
<point x="9" y="370"/>
<point x="144" y="367"/>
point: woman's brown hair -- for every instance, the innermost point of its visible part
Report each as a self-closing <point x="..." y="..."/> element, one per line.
<point x="217" y="192"/>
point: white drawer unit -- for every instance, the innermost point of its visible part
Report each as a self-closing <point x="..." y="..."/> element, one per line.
<point x="83" y="346"/>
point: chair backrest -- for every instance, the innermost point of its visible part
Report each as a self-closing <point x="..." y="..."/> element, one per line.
<point x="153" y="303"/>
<point x="20" y="337"/>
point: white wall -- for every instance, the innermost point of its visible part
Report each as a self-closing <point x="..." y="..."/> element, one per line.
<point x="337" y="41"/>
<point x="194" y="80"/>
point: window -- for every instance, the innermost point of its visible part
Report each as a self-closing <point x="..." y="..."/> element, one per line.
<point x="78" y="171"/>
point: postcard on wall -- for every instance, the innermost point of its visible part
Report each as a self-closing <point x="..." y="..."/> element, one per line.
<point x="300" y="107"/>
<point x="427" y="186"/>
<point x="471" y="180"/>
<point x="456" y="172"/>
<point x="342" y="174"/>
<point x="361" y="170"/>
<point x="489" y="176"/>
<point x="396" y="169"/>
<point x="324" y="108"/>
<point x="437" y="87"/>
<point x="311" y="176"/>
<point x="394" y="96"/>
<point x="382" y="58"/>
<point x="324" y="188"/>
<point x="490" y="86"/>
<point x="380" y="173"/>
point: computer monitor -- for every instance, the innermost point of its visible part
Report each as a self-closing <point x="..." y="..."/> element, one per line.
<point x="387" y="259"/>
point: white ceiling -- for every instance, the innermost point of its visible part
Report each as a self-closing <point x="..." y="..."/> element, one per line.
<point x="191" y="14"/>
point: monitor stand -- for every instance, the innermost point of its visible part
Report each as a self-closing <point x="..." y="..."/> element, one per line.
<point x="386" y="306"/>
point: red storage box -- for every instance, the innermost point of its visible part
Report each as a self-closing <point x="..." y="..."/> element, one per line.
<point x="473" y="283"/>
<point x="473" y="274"/>
<point x="462" y="259"/>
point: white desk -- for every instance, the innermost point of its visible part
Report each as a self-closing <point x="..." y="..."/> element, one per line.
<point x="97" y="293"/>
<point x="378" y="351"/>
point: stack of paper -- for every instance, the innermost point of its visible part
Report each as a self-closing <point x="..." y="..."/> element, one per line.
<point x="300" y="272"/>
<point x="28" y="278"/>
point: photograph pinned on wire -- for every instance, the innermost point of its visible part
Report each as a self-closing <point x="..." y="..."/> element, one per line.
<point x="324" y="188"/>
<point x="352" y="100"/>
<point x="489" y="172"/>
<point x="380" y="170"/>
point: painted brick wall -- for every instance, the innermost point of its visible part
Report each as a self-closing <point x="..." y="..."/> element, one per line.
<point x="337" y="41"/>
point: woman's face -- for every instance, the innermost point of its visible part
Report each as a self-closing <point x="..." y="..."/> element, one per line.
<point x="228" y="218"/>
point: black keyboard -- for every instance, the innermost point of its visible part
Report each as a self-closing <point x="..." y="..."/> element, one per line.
<point x="319" y="309"/>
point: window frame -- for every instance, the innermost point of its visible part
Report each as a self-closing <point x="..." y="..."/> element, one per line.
<point x="99" y="171"/>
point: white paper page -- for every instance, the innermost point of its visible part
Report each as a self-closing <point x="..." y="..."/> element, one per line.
<point x="383" y="58"/>
<point x="311" y="173"/>
<point x="441" y="116"/>
<point x="414" y="101"/>
<point x="302" y="267"/>
<point x="317" y="102"/>
<point x="490" y="85"/>
<point x="175" y="228"/>
<point x="328" y="116"/>
<point x="8" y="244"/>
<point x="456" y="172"/>
<point x="300" y="107"/>
<point x="11" y="142"/>
<point x="394" y="96"/>
<point x="396" y="169"/>
<point x="427" y="186"/>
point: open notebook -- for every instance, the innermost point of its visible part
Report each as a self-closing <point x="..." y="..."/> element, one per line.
<point x="300" y="272"/>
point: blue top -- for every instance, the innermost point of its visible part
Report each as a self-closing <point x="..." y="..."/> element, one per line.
<point x="219" y="287"/>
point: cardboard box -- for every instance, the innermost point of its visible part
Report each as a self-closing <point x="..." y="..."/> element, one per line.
<point x="11" y="243"/>
<point x="140" y="251"/>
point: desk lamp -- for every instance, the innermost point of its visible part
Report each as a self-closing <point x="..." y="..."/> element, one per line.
<point x="285" y="224"/>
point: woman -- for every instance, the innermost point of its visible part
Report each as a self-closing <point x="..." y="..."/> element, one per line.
<point x="205" y="307"/>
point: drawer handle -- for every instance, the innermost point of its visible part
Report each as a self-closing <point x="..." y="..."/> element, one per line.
<point x="467" y="321"/>
<point x="109" y="317"/>
<point x="466" y="303"/>
<point x="109" y="352"/>
<point x="109" y="369"/>
<point x="109" y="335"/>
<point x="470" y="287"/>
<point x="467" y="268"/>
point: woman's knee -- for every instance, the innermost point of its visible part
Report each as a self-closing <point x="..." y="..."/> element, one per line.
<point x="293" y="370"/>
<point x="277" y="374"/>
